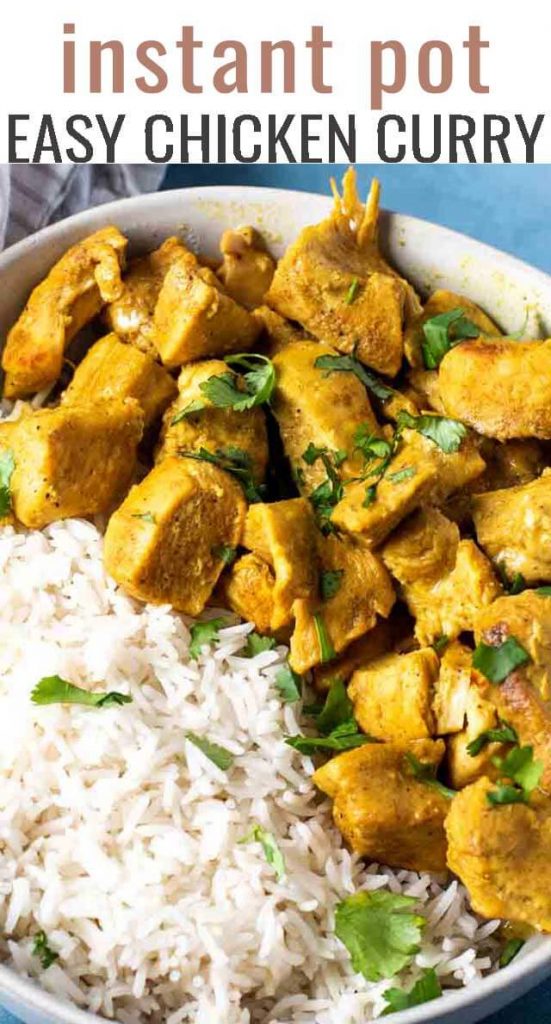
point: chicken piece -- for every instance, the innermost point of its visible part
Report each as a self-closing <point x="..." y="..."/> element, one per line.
<point x="364" y="590"/>
<point x="163" y="544"/>
<point x="312" y="406"/>
<point x="131" y="315"/>
<point x="424" y="385"/>
<point x="436" y="475"/>
<point x="382" y="810"/>
<point x="283" y="533"/>
<point x="75" y="460"/>
<point x="213" y="428"/>
<point x="509" y="464"/>
<point x="502" y="855"/>
<point x="358" y="654"/>
<point x="334" y="281"/>
<point x="513" y="526"/>
<point x="480" y="715"/>
<point x="499" y="387"/>
<point x="248" y="589"/>
<point x="452" y="689"/>
<point x="445" y="581"/>
<point x="112" y="369"/>
<point x="393" y="696"/>
<point x="442" y="301"/>
<point x="86" y="276"/>
<point x="278" y="332"/>
<point x="195" y="319"/>
<point x="247" y="268"/>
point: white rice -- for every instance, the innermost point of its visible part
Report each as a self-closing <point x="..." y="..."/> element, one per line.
<point x="120" y="839"/>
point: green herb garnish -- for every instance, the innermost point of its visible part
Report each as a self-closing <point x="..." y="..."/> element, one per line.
<point x="445" y="433"/>
<point x="272" y="853"/>
<point x="349" y="364"/>
<point x="330" y="581"/>
<point x="43" y="950"/>
<point x="344" y="737"/>
<point x="444" y="331"/>
<point x="327" y="651"/>
<point x="353" y="292"/>
<point x="147" y="517"/>
<point x="379" y="931"/>
<point x="497" y="662"/>
<point x="55" y="690"/>
<point x="256" y="644"/>
<point x="511" y="584"/>
<point x="203" y="633"/>
<point x="327" y="494"/>
<point x="441" y="643"/>
<point x="401" y="475"/>
<point x="288" y="684"/>
<point x="510" y="950"/>
<point x="524" y="774"/>
<point x="225" y="553"/>
<point x="7" y="466"/>
<point x="234" y="461"/>
<point x="426" y="988"/>
<point x="219" y="756"/>
<point x="425" y="772"/>
<point x="504" y="733"/>
<point x="223" y="391"/>
<point x="544" y="591"/>
<point x="336" y="723"/>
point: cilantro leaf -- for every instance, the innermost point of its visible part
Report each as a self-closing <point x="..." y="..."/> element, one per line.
<point x="426" y="773"/>
<point x="401" y="475"/>
<point x="505" y="793"/>
<point x="219" y="756"/>
<point x="349" y="364"/>
<point x="7" y="466"/>
<point x="330" y="583"/>
<point x="343" y="737"/>
<point x="259" y="377"/>
<point x="223" y="390"/>
<point x="379" y="931"/>
<point x="256" y="644"/>
<point x="497" y="662"/>
<point x="288" y="684"/>
<point x="544" y="591"/>
<point x="234" y="461"/>
<point x="512" y="585"/>
<point x="272" y="853"/>
<point x="445" y="433"/>
<point x="510" y="950"/>
<point x="329" y="492"/>
<point x="444" y="331"/>
<point x="147" y="517"/>
<point x="43" y="950"/>
<point x="504" y="733"/>
<point x="55" y="690"/>
<point x="337" y="710"/>
<point x="426" y="988"/>
<point x="520" y="766"/>
<point x="353" y="291"/>
<point x="441" y="643"/>
<point x="203" y="633"/>
<point x="327" y="651"/>
<point x="225" y="553"/>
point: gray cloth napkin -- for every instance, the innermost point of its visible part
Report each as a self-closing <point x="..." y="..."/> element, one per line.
<point x="33" y="195"/>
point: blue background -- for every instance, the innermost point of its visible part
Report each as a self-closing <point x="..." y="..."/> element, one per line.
<point x="507" y="206"/>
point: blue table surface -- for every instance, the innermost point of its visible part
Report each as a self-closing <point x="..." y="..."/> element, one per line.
<point x="507" y="206"/>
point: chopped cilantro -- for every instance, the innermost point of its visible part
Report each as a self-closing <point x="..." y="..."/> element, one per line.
<point x="272" y="853"/>
<point x="426" y="988"/>
<point x="203" y="633"/>
<point x="425" y="772"/>
<point x="511" y="584"/>
<point x="519" y="766"/>
<point x="504" y="733"/>
<point x="401" y="475"/>
<point x="445" y="433"/>
<point x="337" y="710"/>
<point x="353" y="291"/>
<point x="7" y="466"/>
<point x="497" y="662"/>
<point x="256" y="644"/>
<point x="223" y="391"/>
<point x="43" y="950"/>
<point x="349" y="364"/>
<point x="380" y="932"/>
<point x="441" y="643"/>
<point x="234" y="461"/>
<point x="219" y="756"/>
<point x="343" y="737"/>
<point x="55" y="690"/>
<point x="444" y="331"/>
<point x="544" y="591"/>
<point x="327" y="651"/>
<point x="330" y="491"/>
<point x="330" y="581"/>
<point x="225" y="553"/>
<point x="510" y="950"/>
<point x="288" y="684"/>
<point x="147" y="517"/>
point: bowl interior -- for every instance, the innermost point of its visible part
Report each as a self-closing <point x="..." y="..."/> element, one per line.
<point x="431" y="257"/>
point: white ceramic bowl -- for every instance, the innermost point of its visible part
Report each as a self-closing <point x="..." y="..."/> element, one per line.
<point x="430" y="256"/>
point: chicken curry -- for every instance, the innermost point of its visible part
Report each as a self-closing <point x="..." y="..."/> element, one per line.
<point x="362" y="475"/>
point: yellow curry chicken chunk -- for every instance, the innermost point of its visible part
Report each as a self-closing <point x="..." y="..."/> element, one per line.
<point x="248" y="589"/>
<point x="393" y="696"/>
<point x="131" y="314"/>
<point x="452" y="689"/>
<point x="502" y="855"/>
<point x="443" y="301"/>
<point x="500" y="387"/>
<point x="334" y="281"/>
<point x="362" y="590"/>
<point x="247" y="268"/>
<point x="212" y="428"/>
<point x="383" y="811"/>
<point x="195" y="319"/>
<point x="163" y="544"/>
<point x="75" y="460"/>
<point x="113" y="369"/>
<point x="445" y="581"/>
<point x="283" y="533"/>
<point x="86" y="276"/>
<point x="513" y="526"/>
<point x="464" y="766"/>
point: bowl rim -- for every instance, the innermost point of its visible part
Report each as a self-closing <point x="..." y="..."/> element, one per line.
<point x="533" y="963"/>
